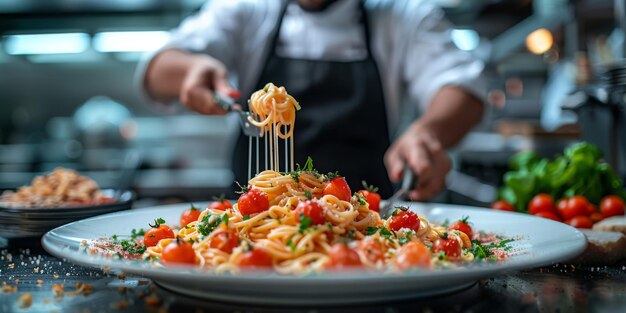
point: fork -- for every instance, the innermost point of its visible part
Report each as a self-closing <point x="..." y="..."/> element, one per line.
<point x="409" y="182"/>
<point x="227" y="103"/>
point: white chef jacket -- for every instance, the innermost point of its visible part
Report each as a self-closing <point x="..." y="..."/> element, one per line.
<point x="411" y="44"/>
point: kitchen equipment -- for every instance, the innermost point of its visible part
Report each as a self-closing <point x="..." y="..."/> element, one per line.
<point x="601" y="114"/>
<point x="409" y="181"/>
<point x="228" y="104"/>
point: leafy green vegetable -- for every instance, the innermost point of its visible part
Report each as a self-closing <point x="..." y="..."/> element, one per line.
<point x="579" y="171"/>
<point x="132" y="247"/>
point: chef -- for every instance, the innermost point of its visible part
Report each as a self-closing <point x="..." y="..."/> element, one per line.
<point x="360" y="70"/>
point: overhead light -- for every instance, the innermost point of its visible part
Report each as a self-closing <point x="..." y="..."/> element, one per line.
<point x="61" y="43"/>
<point x="465" y="39"/>
<point x="539" y="41"/>
<point x="130" y="41"/>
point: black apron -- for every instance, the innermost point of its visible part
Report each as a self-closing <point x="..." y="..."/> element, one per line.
<point x="342" y="125"/>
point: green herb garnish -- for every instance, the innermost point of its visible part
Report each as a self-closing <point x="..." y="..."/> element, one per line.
<point x="305" y="222"/>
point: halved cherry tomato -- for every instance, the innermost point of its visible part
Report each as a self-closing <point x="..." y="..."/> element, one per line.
<point x="462" y="225"/>
<point x="549" y="215"/>
<point x="596" y="217"/>
<point x="451" y="247"/>
<point x="179" y="252"/>
<point x="190" y="215"/>
<point x="502" y="206"/>
<point x="404" y="219"/>
<point x="612" y="206"/>
<point x="255" y="259"/>
<point x="580" y="221"/>
<point x="371" y="196"/>
<point x="225" y="240"/>
<point x="253" y="201"/>
<point x="221" y="204"/>
<point x="576" y="205"/>
<point x="341" y="256"/>
<point x="413" y="254"/>
<point x="157" y="232"/>
<point x="372" y="249"/>
<point x="311" y="209"/>
<point x="339" y="188"/>
<point x="541" y="203"/>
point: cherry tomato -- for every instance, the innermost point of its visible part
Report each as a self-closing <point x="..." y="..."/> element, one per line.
<point x="612" y="206"/>
<point x="451" y="247"/>
<point x="575" y="206"/>
<point x="404" y="219"/>
<point x="549" y="215"/>
<point x="253" y="201"/>
<point x="339" y="188"/>
<point x="311" y="209"/>
<point x="255" y="259"/>
<point x="580" y="221"/>
<point x="371" y="196"/>
<point x="372" y="249"/>
<point x="502" y="206"/>
<point x="561" y="205"/>
<point x="591" y="208"/>
<point x="341" y="256"/>
<point x="221" y="205"/>
<point x="225" y="240"/>
<point x="462" y="226"/>
<point x="190" y="215"/>
<point x="413" y="254"/>
<point x="179" y="252"/>
<point x="157" y="232"/>
<point x="596" y="217"/>
<point x="541" y="203"/>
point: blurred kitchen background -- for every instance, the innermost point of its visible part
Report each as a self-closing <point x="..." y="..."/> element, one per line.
<point x="67" y="96"/>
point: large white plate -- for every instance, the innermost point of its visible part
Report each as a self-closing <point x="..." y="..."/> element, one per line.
<point x="538" y="242"/>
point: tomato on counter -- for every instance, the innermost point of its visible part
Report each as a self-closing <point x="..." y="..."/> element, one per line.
<point x="502" y="206"/>
<point x="575" y="206"/>
<point x="541" y="203"/>
<point x="612" y="206"/>
<point x="580" y="222"/>
<point x="550" y="215"/>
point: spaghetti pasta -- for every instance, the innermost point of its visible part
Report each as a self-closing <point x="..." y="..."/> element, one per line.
<point x="302" y="221"/>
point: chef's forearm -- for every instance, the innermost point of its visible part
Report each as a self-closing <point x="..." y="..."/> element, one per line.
<point x="166" y="72"/>
<point x="451" y="114"/>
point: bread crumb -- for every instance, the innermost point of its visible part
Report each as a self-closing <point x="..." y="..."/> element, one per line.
<point x="17" y="281"/>
<point x="36" y="269"/>
<point x="122" y="304"/>
<point x="81" y="288"/>
<point x="106" y="269"/>
<point x="121" y="289"/>
<point x="58" y="289"/>
<point x="9" y="288"/>
<point x="152" y="288"/>
<point x="121" y="276"/>
<point x="25" y="300"/>
<point x="55" y="276"/>
<point x="152" y="301"/>
<point x="39" y="282"/>
<point x="142" y="282"/>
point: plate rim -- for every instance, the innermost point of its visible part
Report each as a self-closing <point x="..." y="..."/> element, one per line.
<point x="47" y="241"/>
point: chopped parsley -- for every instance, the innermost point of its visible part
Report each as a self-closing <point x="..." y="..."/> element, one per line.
<point x="482" y="251"/>
<point x="329" y="225"/>
<point x="384" y="232"/>
<point x="404" y="240"/>
<point x="132" y="247"/>
<point x="308" y="195"/>
<point x="208" y="224"/>
<point x="361" y="198"/>
<point x="246" y="217"/>
<point x="157" y="222"/>
<point x="134" y="234"/>
<point x="369" y="230"/>
<point x="291" y="244"/>
<point x="308" y="167"/>
<point x="305" y="222"/>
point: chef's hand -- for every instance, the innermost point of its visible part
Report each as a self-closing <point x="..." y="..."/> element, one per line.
<point x="207" y="75"/>
<point x="425" y="156"/>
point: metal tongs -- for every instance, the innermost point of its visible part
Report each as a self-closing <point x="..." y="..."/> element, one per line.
<point x="409" y="182"/>
<point x="227" y="103"/>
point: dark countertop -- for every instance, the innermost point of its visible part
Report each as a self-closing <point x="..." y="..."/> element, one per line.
<point x="557" y="288"/>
